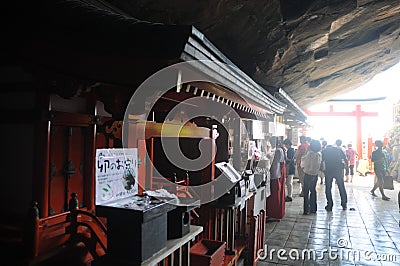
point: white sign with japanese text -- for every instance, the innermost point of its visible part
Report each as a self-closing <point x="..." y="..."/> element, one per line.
<point x="116" y="174"/>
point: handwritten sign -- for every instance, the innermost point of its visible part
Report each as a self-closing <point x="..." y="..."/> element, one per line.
<point x="116" y="174"/>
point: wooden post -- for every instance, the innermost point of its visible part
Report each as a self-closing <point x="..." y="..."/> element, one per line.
<point x="90" y="160"/>
<point x="31" y="231"/>
<point x="42" y="160"/>
<point x="358" y="130"/>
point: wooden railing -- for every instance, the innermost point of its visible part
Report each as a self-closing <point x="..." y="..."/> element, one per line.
<point x="56" y="231"/>
<point x="90" y="225"/>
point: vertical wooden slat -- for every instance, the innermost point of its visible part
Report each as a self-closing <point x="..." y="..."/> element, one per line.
<point x="188" y="253"/>
<point x="89" y="163"/>
<point x="221" y="229"/>
<point x="228" y="228"/>
<point x="149" y="181"/>
<point x="233" y="222"/>
<point x="180" y="256"/>
<point x="215" y="224"/>
<point x="172" y="259"/>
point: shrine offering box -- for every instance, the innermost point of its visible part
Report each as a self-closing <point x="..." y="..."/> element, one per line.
<point x="207" y="252"/>
<point x="136" y="227"/>
<point x="179" y="221"/>
<point x="237" y="190"/>
<point x="136" y="224"/>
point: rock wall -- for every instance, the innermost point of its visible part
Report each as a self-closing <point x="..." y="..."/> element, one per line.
<point x="314" y="50"/>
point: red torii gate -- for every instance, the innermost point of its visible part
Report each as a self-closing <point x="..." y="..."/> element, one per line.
<point x="358" y="113"/>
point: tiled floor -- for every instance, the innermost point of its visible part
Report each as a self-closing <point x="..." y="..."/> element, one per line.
<point x="367" y="233"/>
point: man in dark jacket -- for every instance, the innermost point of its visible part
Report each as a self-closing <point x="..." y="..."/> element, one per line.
<point x="335" y="161"/>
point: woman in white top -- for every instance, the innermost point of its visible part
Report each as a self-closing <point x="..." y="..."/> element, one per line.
<point x="311" y="163"/>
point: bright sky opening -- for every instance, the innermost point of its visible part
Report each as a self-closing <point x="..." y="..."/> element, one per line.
<point x="385" y="84"/>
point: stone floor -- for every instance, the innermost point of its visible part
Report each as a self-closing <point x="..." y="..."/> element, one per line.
<point x="367" y="233"/>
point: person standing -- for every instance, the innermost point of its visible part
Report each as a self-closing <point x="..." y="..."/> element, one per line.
<point x="338" y="144"/>
<point x="290" y="169"/>
<point x="311" y="163"/>
<point x="276" y="201"/>
<point x="301" y="151"/>
<point x="380" y="162"/>
<point x="351" y="158"/>
<point x="335" y="160"/>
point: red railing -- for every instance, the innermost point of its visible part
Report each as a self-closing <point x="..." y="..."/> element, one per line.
<point x="70" y="227"/>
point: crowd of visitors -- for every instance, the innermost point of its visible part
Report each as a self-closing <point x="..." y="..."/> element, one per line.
<point x="335" y="163"/>
<point x="313" y="159"/>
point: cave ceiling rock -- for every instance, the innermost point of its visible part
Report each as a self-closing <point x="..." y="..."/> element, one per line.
<point x="314" y="50"/>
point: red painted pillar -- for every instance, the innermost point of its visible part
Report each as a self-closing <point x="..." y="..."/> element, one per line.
<point x="90" y="160"/>
<point x="40" y="191"/>
<point x="358" y="130"/>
